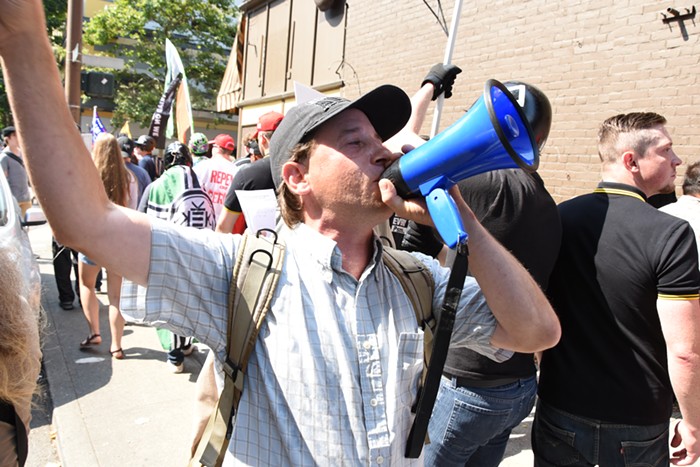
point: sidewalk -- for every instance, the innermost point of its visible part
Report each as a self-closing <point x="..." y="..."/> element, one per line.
<point x="131" y="412"/>
<point x="109" y="412"/>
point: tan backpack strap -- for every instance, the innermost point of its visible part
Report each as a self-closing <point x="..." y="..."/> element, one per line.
<point x="255" y="275"/>
<point x="383" y="231"/>
<point x="418" y="283"/>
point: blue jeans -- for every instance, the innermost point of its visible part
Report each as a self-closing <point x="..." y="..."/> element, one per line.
<point x="563" y="439"/>
<point x="471" y="426"/>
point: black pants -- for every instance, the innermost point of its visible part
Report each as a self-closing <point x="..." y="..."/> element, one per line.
<point x="65" y="259"/>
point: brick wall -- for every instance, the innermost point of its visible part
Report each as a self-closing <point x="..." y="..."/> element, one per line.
<point x="592" y="58"/>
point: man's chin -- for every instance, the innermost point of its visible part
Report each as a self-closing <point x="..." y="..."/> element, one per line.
<point x="668" y="189"/>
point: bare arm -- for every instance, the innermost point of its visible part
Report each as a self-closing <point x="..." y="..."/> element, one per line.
<point x="680" y="323"/>
<point x="526" y="321"/>
<point x="227" y="219"/>
<point x="62" y="173"/>
<point x="409" y="134"/>
<point x="419" y="107"/>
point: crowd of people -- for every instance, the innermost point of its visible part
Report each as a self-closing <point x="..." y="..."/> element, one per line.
<point x="590" y="307"/>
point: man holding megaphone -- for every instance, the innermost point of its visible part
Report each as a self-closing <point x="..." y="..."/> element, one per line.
<point x="334" y="371"/>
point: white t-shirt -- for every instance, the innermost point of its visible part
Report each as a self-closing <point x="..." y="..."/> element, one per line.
<point x="215" y="176"/>
<point x="687" y="207"/>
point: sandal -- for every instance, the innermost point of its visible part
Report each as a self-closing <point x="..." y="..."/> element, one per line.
<point x="91" y="341"/>
<point x="117" y="354"/>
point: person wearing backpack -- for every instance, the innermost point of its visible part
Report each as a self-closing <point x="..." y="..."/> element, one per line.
<point x="335" y="370"/>
<point x="177" y="197"/>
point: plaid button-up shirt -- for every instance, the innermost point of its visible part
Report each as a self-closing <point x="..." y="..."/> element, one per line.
<point x="337" y="363"/>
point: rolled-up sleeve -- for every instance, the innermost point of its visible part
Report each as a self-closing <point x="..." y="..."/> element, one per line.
<point x="474" y="322"/>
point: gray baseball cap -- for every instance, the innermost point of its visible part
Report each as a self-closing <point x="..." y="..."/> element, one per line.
<point x="387" y="107"/>
<point x="7" y="131"/>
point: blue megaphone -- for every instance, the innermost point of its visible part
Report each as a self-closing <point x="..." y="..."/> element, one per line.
<point x="472" y="145"/>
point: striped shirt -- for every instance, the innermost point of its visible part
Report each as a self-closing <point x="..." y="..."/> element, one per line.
<point x="337" y="363"/>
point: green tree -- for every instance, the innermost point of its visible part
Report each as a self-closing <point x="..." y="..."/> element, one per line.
<point x="55" y="11"/>
<point x="135" y="30"/>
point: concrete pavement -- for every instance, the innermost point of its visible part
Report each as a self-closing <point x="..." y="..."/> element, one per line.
<point x="109" y="412"/>
<point x="131" y="412"/>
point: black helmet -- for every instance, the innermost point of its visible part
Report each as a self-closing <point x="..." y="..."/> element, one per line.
<point x="536" y="107"/>
<point x="176" y="154"/>
<point x="145" y="142"/>
<point x="126" y="145"/>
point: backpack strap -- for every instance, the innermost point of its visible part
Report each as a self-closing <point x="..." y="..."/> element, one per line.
<point x="418" y="283"/>
<point x="255" y="276"/>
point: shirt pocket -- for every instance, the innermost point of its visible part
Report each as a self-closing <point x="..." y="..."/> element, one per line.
<point x="409" y="367"/>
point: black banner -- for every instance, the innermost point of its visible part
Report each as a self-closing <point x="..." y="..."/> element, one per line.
<point x="162" y="113"/>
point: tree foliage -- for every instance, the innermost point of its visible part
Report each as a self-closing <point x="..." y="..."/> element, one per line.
<point x="135" y="30"/>
<point x="55" y="11"/>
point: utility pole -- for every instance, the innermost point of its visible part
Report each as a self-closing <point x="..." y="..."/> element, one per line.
<point x="74" y="41"/>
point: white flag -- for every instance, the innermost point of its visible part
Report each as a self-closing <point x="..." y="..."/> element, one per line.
<point x="183" y="108"/>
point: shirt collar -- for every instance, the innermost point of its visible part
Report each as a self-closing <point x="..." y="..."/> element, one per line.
<point x="613" y="188"/>
<point x="323" y="251"/>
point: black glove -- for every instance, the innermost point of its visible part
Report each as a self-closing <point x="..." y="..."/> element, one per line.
<point x="443" y="77"/>
<point x="421" y="238"/>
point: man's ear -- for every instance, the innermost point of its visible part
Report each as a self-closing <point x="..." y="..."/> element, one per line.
<point x="294" y="174"/>
<point x="629" y="159"/>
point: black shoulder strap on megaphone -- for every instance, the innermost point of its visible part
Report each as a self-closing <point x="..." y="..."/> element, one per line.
<point x="441" y="344"/>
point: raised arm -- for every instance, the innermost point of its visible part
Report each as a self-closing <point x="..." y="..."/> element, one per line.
<point x="439" y="80"/>
<point x="526" y="321"/>
<point x="680" y="323"/>
<point x="63" y="175"/>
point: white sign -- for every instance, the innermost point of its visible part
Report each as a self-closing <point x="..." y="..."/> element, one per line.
<point x="259" y="208"/>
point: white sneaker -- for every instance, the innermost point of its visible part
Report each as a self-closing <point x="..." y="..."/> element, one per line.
<point x="176" y="368"/>
<point x="188" y="351"/>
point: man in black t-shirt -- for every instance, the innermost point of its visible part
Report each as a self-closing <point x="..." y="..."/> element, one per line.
<point x="480" y="401"/>
<point x="254" y="176"/>
<point x="625" y="287"/>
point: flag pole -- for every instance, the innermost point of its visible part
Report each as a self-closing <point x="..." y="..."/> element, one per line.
<point x="456" y="12"/>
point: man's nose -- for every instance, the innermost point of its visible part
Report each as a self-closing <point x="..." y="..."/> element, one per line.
<point x="676" y="160"/>
<point x="382" y="155"/>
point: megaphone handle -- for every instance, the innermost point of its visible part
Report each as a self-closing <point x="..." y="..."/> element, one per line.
<point x="446" y="218"/>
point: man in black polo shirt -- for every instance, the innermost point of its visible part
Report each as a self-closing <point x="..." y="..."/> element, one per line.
<point x="625" y="288"/>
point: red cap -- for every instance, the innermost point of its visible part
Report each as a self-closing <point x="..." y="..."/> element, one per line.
<point x="268" y="122"/>
<point x="224" y="141"/>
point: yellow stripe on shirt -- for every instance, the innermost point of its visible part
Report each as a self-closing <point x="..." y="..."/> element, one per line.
<point x="662" y="296"/>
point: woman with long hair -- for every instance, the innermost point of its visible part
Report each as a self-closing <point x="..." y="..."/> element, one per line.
<point x="20" y="358"/>
<point x="117" y="181"/>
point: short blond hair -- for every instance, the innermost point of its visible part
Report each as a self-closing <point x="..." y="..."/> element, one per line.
<point x="628" y="130"/>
